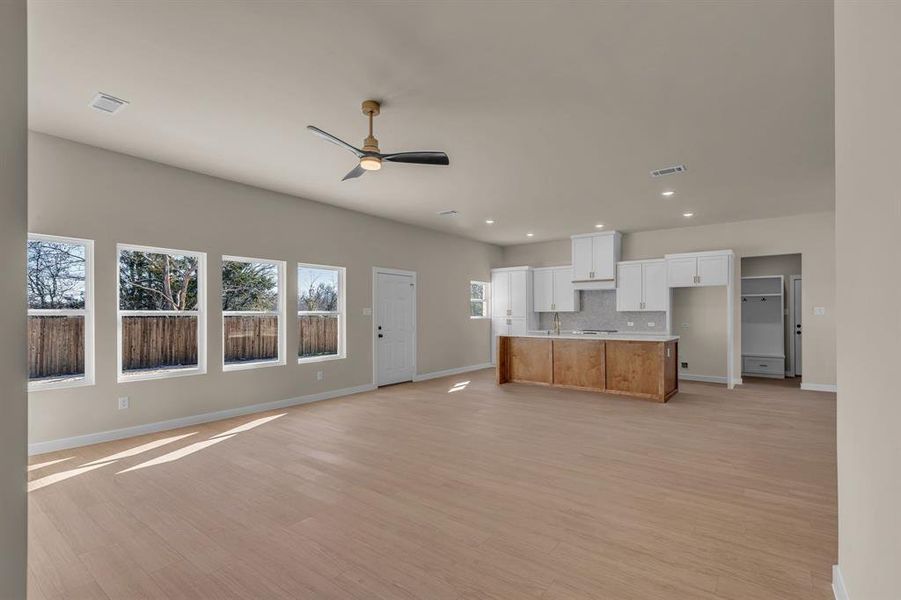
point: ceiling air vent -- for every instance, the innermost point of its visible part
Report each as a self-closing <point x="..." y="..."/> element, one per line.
<point x="447" y="213"/>
<point x="106" y="103"/>
<point x="669" y="171"/>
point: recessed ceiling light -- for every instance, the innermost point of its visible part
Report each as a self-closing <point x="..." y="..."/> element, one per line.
<point x="667" y="193"/>
<point x="599" y="226"/>
<point x="108" y="104"/>
<point x="530" y="234"/>
<point x="688" y="214"/>
<point x="489" y="221"/>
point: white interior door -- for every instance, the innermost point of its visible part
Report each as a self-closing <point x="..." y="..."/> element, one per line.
<point x="796" y="326"/>
<point x="395" y="328"/>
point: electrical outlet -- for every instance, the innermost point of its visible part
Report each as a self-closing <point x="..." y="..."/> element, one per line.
<point x="123" y="402"/>
<point x="684" y="365"/>
<point x="685" y="325"/>
<point x="630" y="324"/>
<point x="367" y="312"/>
<point x="652" y="324"/>
<point x="319" y="375"/>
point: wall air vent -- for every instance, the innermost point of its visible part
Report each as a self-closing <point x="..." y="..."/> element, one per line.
<point x="669" y="171"/>
<point x="108" y="104"/>
<point x="447" y="213"/>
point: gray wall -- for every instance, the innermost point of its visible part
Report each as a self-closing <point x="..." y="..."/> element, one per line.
<point x="82" y="191"/>
<point x="13" y="206"/>
<point x="868" y="246"/>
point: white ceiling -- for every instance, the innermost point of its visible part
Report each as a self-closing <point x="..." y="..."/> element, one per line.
<point x="553" y="114"/>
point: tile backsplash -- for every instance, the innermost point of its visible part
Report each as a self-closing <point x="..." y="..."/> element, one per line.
<point x="598" y="311"/>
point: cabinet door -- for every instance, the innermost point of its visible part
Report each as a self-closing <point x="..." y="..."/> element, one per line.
<point x="566" y="298"/>
<point x="582" y="258"/>
<point x="653" y="284"/>
<point x="628" y="287"/>
<point x="519" y="289"/>
<point x="500" y="294"/>
<point x="680" y="272"/>
<point x="517" y="327"/>
<point x="543" y="290"/>
<point x="498" y="327"/>
<point x="603" y="259"/>
<point x="713" y="270"/>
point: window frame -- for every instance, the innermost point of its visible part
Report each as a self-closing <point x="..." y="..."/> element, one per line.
<point x="280" y="312"/>
<point x="200" y="313"/>
<point x="485" y="300"/>
<point x="341" y="312"/>
<point x="87" y="313"/>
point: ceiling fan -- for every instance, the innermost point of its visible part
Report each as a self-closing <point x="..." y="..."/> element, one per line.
<point x="370" y="156"/>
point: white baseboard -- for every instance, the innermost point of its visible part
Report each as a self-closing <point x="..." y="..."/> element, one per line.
<point x="819" y="387"/>
<point x="705" y="378"/>
<point x="838" y="584"/>
<point x="127" y="432"/>
<point x="448" y="372"/>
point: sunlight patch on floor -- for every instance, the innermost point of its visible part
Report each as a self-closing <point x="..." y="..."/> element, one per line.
<point x="458" y="387"/>
<point x="139" y="449"/>
<point x="61" y="476"/>
<point x="37" y="466"/>
<point x="249" y="425"/>
<point x="177" y="454"/>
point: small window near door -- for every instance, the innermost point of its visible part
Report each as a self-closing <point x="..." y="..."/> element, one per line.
<point x="320" y="313"/>
<point x="478" y="300"/>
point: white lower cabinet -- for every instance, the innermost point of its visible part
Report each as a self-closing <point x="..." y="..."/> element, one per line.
<point x="506" y="326"/>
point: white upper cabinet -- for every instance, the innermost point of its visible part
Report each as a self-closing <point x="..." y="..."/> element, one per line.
<point x="500" y="294"/>
<point x="519" y="288"/>
<point x="511" y="294"/>
<point x="628" y="287"/>
<point x="656" y="292"/>
<point x="641" y="286"/>
<point x="566" y="298"/>
<point x="698" y="269"/>
<point x="553" y="290"/>
<point x="594" y="260"/>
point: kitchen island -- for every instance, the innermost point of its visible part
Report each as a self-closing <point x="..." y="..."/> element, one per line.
<point x="644" y="366"/>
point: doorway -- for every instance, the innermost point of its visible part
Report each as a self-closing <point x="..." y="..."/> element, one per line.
<point x="394" y="326"/>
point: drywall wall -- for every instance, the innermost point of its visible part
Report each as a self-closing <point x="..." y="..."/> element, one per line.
<point x="780" y="264"/>
<point x="868" y="250"/>
<point x="812" y="236"/>
<point x="13" y="205"/>
<point x="83" y="191"/>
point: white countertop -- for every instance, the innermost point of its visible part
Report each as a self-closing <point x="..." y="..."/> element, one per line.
<point x="621" y="337"/>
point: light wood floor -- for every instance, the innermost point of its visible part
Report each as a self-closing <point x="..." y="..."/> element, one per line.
<point x="511" y="492"/>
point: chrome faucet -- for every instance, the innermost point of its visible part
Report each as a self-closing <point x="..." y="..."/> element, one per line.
<point x="556" y="323"/>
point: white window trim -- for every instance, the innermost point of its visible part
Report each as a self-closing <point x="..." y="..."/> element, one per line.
<point x="200" y="313"/>
<point x="341" y="313"/>
<point x="280" y="312"/>
<point x="485" y="301"/>
<point x="88" y="311"/>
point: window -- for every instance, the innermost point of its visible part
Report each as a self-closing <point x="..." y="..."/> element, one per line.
<point x="320" y="312"/>
<point x="478" y="300"/>
<point x="253" y="323"/>
<point x="162" y="316"/>
<point x="60" y="290"/>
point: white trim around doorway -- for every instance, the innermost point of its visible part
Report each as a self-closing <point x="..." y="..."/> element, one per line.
<point x="389" y="271"/>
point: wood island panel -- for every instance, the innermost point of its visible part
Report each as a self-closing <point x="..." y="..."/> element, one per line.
<point x="530" y="360"/>
<point x="579" y="364"/>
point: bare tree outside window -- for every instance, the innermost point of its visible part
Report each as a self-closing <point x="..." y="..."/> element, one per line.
<point x="55" y="275"/>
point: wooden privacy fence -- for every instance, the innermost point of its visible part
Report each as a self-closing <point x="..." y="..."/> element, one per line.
<point x="152" y="342"/>
<point x="317" y="335"/>
<point x="56" y="343"/>
<point x="55" y="346"/>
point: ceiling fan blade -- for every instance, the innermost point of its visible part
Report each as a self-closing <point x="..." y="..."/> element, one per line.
<point x="329" y="137"/>
<point x="418" y="158"/>
<point x="354" y="173"/>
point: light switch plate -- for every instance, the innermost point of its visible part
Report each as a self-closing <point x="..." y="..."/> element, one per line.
<point x="652" y="324"/>
<point x="367" y="312"/>
<point x="819" y="310"/>
<point x="630" y="324"/>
